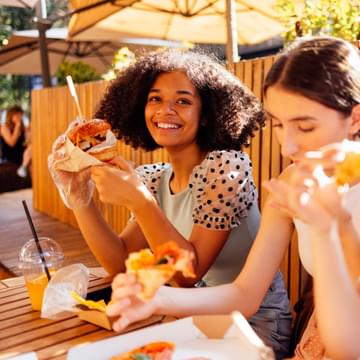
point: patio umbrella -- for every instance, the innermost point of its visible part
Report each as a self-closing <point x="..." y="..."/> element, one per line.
<point x="197" y="21"/>
<point x="21" y="54"/>
<point x="19" y="3"/>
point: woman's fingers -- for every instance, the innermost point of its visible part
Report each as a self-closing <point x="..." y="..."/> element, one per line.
<point x="122" y="164"/>
<point x="58" y="143"/>
<point x="121" y="324"/>
<point x="126" y="290"/>
<point x="116" y="308"/>
<point x="131" y="312"/>
<point x="125" y="303"/>
<point x="125" y="285"/>
<point x="123" y="279"/>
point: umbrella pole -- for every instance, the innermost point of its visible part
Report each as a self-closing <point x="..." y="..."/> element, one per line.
<point x="232" y="54"/>
<point x="42" y="26"/>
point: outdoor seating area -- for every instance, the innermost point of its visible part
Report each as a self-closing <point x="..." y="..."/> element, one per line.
<point x="163" y="196"/>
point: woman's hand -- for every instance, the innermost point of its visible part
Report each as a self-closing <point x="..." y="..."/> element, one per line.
<point x="119" y="184"/>
<point x="125" y="303"/>
<point x="309" y="195"/>
<point x="75" y="188"/>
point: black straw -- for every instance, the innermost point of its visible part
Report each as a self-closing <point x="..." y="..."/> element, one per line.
<point x="37" y="242"/>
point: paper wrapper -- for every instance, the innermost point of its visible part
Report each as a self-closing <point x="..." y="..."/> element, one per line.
<point x="57" y="297"/>
<point x="76" y="159"/>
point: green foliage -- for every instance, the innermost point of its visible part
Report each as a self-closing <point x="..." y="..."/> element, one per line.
<point x="122" y="59"/>
<point x="79" y="71"/>
<point x="12" y="19"/>
<point x="14" y="90"/>
<point x="340" y="18"/>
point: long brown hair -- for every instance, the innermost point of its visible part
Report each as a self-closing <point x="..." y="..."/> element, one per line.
<point x="9" y="116"/>
<point x="323" y="69"/>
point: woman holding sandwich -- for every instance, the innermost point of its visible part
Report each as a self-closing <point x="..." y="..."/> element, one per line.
<point x="312" y="95"/>
<point x="204" y="199"/>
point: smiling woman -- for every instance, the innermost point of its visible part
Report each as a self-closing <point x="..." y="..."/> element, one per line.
<point x="204" y="199"/>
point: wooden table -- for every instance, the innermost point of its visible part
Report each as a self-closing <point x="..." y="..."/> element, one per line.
<point x="15" y="231"/>
<point x="22" y="330"/>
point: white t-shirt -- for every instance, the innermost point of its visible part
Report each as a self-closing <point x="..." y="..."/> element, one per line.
<point x="351" y="202"/>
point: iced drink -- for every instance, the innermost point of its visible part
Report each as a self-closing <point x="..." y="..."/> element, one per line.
<point x="33" y="268"/>
<point x="36" y="287"/>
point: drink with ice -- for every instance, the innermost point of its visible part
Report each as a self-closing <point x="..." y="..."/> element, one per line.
<point x="33" y="268"/>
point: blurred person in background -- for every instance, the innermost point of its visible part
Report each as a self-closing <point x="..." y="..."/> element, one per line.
<point x="25" y="168"/>
<point x="13" y="143"/>
<point x="14" y="139"/>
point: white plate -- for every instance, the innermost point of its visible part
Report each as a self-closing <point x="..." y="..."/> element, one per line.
<point x="189" y="341"/>
<point x="224" y="349"/>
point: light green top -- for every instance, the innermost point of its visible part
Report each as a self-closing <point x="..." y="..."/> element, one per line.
<point x="225" y="179"/>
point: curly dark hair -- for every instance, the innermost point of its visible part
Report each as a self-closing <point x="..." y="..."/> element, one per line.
<point x="231" y="111"/>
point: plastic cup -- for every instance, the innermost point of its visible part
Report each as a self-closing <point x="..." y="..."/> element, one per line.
<point x="33" y="268"/>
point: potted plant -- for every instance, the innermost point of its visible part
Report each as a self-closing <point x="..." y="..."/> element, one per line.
<point x="79" y="71"/>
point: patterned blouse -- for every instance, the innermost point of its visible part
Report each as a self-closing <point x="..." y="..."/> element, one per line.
<point x="221" y="195"/>
<point x="222" y="188"/>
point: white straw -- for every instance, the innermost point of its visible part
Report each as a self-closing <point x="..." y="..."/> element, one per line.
<point x="74" y="95"/>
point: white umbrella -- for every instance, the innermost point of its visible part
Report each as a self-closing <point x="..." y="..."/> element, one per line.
<point x="197" y="21"/>
<point x="19" y="3"/>
<point x="21" y="54"/>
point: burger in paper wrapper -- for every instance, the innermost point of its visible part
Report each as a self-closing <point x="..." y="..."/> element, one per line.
<point x="88" y="143"/>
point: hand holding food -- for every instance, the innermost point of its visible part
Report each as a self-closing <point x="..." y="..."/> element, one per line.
<point x="119" y="184"/>
<point x="338" y="160"/>
<point x="133" y="293"/>
<point x="154" y="269"/>
<point x="75" y="188"/>
<point x="313" y="192"/>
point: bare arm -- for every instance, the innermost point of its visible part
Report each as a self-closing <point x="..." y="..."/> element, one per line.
<point x="350" y="241"/>
<point x="124" y="187"/>
<point x="11" y="137"/>
<point x="336" y="298"/>
<point x="110" y="249"/>
<point x="244" y="294"/>
<point x="249" y="288"/>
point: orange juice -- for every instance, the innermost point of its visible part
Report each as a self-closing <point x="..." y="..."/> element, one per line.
<point x="36" y="288"/>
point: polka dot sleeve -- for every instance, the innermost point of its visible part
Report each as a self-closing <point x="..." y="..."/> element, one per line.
<point x="223" y="189"/>
<point x="151" y="174"/>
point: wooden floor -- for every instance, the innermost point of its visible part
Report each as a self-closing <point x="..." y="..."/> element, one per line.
<point x="15" y="231"/>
